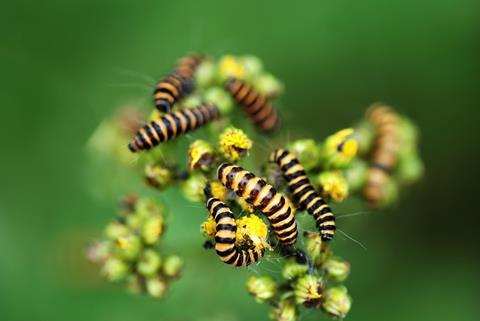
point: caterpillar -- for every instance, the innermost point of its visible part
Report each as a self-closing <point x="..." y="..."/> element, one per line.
<point x="225" y="236"/>
<point x="384" y="153"/>
<point x="304" y="193"/>
<point x="171" y="125"/>
<point x="263" y="196"/>
<point x="257" y="106"/>
<point x="177" y="85"/>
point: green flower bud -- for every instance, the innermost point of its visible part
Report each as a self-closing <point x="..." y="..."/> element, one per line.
<point x="234" y="144"/>
<point x="308" y="291"/>
<point x="390" y="193"/>
<point x="407" y="136"/>
<point x="192" y="188"/>
<point x="115" y="229"/>
<point x="205" y="74"/>
<point x="152" y="229"/>
<point x="115" y="269"/>
<point x="147" y="207"/>
<point x="318" y="250"/>
<point x="201" y="155"/>
<point x="156" y="287"/>
<point x="364" y="134"/>
<point x="134" y="221"/>
<point x="337" y="269"/>
<point x="173" y="266"/>
<point x="337" y="301"/>
<point x="220" y="98"/>
<point x="410" y="168"/>
<point x="284" y="311"/>
<point x="307" y="152"/>
<point x="333" y="185"/>
<point x="261" y="288"/>
<point x="356" y="174"/>
<point x="292" y="270"/>
<point x="134" y="284"/>
<point x="268" y="85"/>
<point x="128" y="247"/>
<point x="191" y="101"/>
<point x="158" y="176"/>
<point x="253" y="66"/>
<point x="149" y="262"/>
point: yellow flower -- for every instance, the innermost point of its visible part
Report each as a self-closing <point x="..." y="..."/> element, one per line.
<point x="201" y="155"/>
<point x="333" y="185"/>
<point x="308" y="291"/>
<point x="253" y="231"/>
<point x="340" y="149"/>
<point x="245" y="206"/>
<point x="209" y="227"/>
<point x="219" y="191"/>
<point x="234" y="144"/>
<point x="230" y="67"/>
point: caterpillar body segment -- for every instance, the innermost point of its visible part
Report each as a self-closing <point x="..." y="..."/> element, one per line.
<point x="258" y="107"/>
<point x="304" y="193"/>
<point x="171" y="125"/>
<point x="263" y="196"/>
<point x="225" y="236"/>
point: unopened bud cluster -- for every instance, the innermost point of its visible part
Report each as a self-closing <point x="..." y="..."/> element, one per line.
<point x="130" y="250"/>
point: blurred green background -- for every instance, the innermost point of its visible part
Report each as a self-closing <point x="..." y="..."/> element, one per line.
<point x="68" y="64"/>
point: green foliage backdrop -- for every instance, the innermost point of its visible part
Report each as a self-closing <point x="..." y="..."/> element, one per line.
<point x="64" y="68"/>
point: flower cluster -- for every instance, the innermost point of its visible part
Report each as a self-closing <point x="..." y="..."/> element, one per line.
<point x="130" y="249"/>
<point x="369" y="160"/>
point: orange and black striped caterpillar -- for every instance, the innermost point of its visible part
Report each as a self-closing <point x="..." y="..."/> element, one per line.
<point x="177" y="85"/>
<point x="384" y="153"/>
<point x="257" y="106"/>
<point x="304" y="193"/>
<point x="171" y="125"/>
<point x="225" y="236"/>
<point x="263" y="196"/>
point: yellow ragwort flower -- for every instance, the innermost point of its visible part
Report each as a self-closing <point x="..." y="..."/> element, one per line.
<point x="219" y="191"/>
<point x="333" y="185"/>
<point x="229" y="67"/>
<point x="234" y="144"/>
<point x="209" y="227"/>
<point x="253" y="231"/>
<point x="340" y="148"/>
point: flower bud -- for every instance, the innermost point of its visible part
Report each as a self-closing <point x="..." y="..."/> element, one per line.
<point x="152" y="229"/>
<point x="308" y="291"/>
<point x="173" y="266"/>
<point x="158" y="176"/>
<point x="337" y="301"/>
<point x="134" y="284"/>
<point x="252" y="231"/>
<point x="208" y="227"/>
<point x="333" y="185"/>
<point x="115" y="230"/>
<point x="390" y="193"/>
<point x="234" y="144"/>
<point x="410" y="168"/>
<point x="313" y="245"/>
<point x="337" y="269"/>
<point x="407" y="136"/>
<point x="147" y="207"/>
<point x="229" y="67"/>
<point x="261" y="288"/>
<point x="339" y="149"/>
<point x="364" y="134"/>
<point x="307" y="152"/>
<point x="268" y="85"/>
<point x="156" y="287"/>
<point x="115" y="269"/>
<point x="191" y="101"/>
<point x="252" y="65"/>
<point x="292" y="270"/>
<point x="220" y="98"/>
<point x="201" y="155"/>
<point x="284" y="311"/>
<point x="192" y="188"/>
<point x="149" y="262"/>
<point x="205" y="74"/>
<point x="128" y="247"/>
<point x="356" y="174"/>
